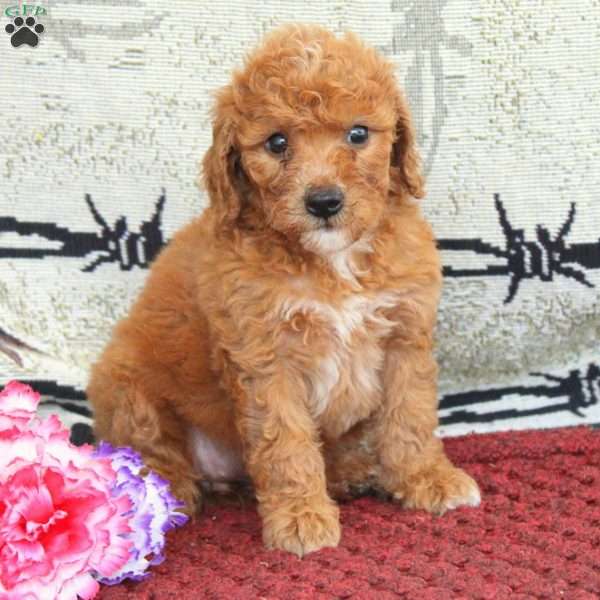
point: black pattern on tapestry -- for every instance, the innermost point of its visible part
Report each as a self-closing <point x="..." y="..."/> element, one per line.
<point x="543" y="258"/>
<point x="81" y="433"/>
<point x="47" y="387"/>
<point x="11" y="345"/>
<point x="66" y="399"/>
<point x="116" y="244"/>
<point x="578" y="390"/>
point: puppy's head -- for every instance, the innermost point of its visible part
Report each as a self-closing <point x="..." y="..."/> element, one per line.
<point x="312" y="139"/>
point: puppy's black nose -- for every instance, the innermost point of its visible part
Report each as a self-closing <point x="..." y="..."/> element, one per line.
<point x="324" y="202"/>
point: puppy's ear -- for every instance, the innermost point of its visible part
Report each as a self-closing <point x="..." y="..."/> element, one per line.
<point x="222" y="172"/>
<point x="405" y="165"/>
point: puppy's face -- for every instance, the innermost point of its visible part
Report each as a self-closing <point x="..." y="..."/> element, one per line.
<point x="326" y="184"/>
<point x="317" y="139"/>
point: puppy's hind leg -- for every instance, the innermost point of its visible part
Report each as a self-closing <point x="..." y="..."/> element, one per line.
<point x="128" y="416"/>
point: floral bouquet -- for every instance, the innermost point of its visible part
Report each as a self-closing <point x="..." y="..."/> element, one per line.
<point x="69" y="516"/>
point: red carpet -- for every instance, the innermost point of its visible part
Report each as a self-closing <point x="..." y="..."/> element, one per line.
<point x="536" y="535"/>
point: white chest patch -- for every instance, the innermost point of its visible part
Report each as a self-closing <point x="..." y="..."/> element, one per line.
<point x="338" y="250"/>
<point x="351" y="366"/>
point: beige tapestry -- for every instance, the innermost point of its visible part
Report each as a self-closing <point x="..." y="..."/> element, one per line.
<point x="105" y="117"/>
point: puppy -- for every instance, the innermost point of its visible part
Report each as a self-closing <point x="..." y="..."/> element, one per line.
<point x="285" y="335"/>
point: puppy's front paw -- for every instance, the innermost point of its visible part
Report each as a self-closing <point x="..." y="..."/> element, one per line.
<point x="438" y="489"/>
<point x="302" y="528"/>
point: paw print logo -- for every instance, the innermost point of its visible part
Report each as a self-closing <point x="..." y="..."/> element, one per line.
<point x="24" y="32"/>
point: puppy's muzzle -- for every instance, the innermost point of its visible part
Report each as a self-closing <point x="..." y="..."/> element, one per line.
<point x="324" y="202"/>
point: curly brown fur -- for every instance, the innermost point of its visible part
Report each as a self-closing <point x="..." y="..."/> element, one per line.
<point x="274" y="344"/>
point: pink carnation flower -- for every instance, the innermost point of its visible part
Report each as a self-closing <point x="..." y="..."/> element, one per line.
<point x="59" y="521"/>
<point x="17" y="405"/>
<point x="155" y="511"/>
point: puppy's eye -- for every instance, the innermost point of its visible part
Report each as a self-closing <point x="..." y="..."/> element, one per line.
<point x="277" y="143"/>
<point x="358" y="135"/>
